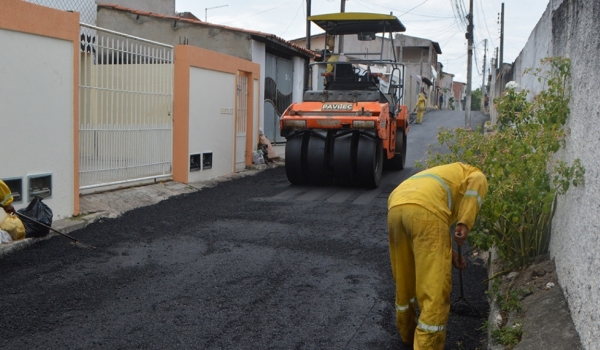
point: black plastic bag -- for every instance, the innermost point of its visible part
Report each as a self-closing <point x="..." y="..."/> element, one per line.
<point x="38" y="211"/>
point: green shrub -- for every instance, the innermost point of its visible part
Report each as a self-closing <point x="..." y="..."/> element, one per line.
<point x="518" y="159"/>
<point x="508" y="336"/>
<point x="476" y="99"/>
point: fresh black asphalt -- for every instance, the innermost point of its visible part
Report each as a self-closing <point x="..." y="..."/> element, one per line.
<point x="252" y="263"/>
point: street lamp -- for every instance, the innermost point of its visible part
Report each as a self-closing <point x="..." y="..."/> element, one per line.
<point x="210" y="8"/>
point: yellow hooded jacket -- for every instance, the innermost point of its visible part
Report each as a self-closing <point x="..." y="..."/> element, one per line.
<point x="453" y="192"/>
<point x="6" y="197"/>
<point x="421" y="102"/>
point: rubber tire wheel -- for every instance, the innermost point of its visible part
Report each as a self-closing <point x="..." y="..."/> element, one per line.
<point x="369" y="161"/>
<point x="399" y="160"/>
<point x="295" y="153"/>
<point x="344" y="156"/>
<point x="317" y="166"/>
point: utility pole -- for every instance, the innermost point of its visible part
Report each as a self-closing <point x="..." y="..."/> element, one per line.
<point x="307" y="64"/>
<point x="483" y="91"/>
<point x="469" y="36"/>
<point x="341" y="37"/>
<point x="496" y="59"/>
<point x="308" y="24"/>
<point x="501" y="37"/>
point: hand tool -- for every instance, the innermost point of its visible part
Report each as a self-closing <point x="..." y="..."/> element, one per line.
<point x="75" y="241"/>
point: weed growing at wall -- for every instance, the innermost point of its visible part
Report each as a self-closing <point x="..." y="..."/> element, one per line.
<point x="508" y="336"/>
<point x="518" y="159"/>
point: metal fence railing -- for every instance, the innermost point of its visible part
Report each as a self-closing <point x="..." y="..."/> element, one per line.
<point x="241" y="121"/>
<point x="125" y="108"/>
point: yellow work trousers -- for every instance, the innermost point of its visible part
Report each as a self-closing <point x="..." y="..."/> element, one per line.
<point x="420" y="113"/>
<point x="421" y="257"/>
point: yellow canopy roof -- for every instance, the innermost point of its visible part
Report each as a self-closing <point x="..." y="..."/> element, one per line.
<point x="357" y="22"/>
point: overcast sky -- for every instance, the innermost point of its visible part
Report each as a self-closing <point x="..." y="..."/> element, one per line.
<point x="437" y="20"/>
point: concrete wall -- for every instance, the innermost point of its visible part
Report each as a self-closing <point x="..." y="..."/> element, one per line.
<point x="86" y="8"/>
<point x="446" y="89"/>
<point x="298" y="79"/>
<point x="211" y="129"/>
<point x="164" y="7"/>
<point x="420" y="59"/>
<point x="458" y="90"/>
<point x="204" y="91"/>
<point x="39" y="99"/>
<point x="172" y="32"/>
<point x="571" y="29"/>
<point x="538" y="46"/>
<point x="575" y="242"/>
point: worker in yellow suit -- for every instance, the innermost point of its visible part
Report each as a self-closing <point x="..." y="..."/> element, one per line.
<point x="334" y="56"/>
<point x="6" y="198"/>
<point x="420" y="212"/>
<point x="421" y="101"/>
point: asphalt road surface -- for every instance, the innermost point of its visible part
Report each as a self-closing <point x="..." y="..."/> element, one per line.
<point x="253" y="263"/>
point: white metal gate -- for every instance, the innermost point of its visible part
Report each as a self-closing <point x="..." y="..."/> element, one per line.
<point x="279" y="84"/>
<point x="125" y="108"/>
<point x="241" y="115"/>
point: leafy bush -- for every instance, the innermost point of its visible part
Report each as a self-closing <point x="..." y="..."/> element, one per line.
<point x="476" y="99"/>
<point x="508" y="336"/>
<point x="518" y="159"/>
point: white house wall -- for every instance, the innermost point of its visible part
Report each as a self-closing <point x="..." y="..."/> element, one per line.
<point x="575" y="243"/>
<point x="256" y="107"/>
<point x="212" y="103"/>
<point x="259" y="56"/>
<point x="298" y="79"/>
<point x="36" y="104"/>
<point x="570" y="29"/>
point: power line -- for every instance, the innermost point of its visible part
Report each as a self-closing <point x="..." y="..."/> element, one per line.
<point x="292" y="21"/>
<point x="460" y="15"/>
<point x="413" y="13"/>
<point x="485" y="22"/>
<point x="258" y="13"/>
<point x="413" y="8"/>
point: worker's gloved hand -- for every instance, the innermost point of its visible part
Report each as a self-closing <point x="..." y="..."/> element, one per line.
<point x="9" y="209"/>
<point x="459" y="264"/>
<point x="461" y="232"/>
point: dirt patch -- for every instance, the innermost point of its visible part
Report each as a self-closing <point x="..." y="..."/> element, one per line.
<point x="541" y="275"/>
<point x="512" y="294"/>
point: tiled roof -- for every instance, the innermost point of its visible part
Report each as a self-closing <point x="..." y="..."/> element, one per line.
<point x="187" y="19"/>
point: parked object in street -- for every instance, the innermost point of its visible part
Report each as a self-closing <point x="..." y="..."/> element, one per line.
<point x="345" y="132"/>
